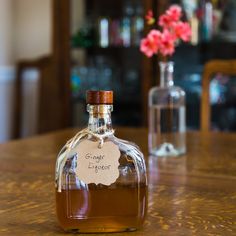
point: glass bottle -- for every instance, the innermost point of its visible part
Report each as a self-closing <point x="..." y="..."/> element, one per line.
<point x="137" y="26"/>
<point x="95" y="207"/>
<point x="167" y="116"/>
<point x="103" y="31"/>
<point x="126" y="24"/>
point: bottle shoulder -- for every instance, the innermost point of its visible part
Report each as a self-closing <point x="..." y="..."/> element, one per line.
<point x="128" y="147"/>
<point x="124" y="146"/>
<point x="166" y="96"/>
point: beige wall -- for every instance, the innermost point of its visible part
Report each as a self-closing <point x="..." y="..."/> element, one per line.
<point x="25" y="29"/>
<point x="32" y="28"/>
<point x="77" y="14"/>
<point x="6" y="25"/>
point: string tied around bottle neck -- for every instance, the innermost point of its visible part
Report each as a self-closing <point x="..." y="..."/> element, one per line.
<point x="71" y="143"/>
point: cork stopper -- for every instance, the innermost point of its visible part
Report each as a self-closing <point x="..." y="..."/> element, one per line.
<point x="99" y="97"/>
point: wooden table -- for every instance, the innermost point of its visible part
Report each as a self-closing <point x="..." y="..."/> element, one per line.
<point x="190" y="195"/>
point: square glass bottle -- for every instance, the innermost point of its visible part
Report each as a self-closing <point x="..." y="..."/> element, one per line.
<point x="101" y="183"/>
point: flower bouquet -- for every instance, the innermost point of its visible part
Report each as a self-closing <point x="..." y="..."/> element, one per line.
<point x="171" y="31"/>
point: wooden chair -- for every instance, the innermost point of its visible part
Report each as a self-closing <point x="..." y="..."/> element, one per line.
<point x="227" y="67"/>
<point x="49" y="116"/>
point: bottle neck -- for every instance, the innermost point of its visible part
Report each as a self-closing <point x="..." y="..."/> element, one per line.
<point x="100" y="118"/>
<point x="166" y="72"/>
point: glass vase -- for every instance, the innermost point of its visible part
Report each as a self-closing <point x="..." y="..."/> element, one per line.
<point x="167" y="126"/>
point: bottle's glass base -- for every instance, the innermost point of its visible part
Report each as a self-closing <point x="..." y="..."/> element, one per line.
<point x="102" y="225"/>
<point x="100" y="230"/>
<point x="167" y="150"/>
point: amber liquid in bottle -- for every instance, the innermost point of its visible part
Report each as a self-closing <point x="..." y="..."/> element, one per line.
<point x="99" y="208"/>
<point x="107" y="209"/>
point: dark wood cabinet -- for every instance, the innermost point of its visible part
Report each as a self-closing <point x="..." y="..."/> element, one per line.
<point x="131" y="99"/>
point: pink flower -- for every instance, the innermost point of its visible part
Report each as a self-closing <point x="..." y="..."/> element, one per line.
<point x="174" y="12"/>
<point x="146" y="47"/>
<point x="167" y="45"/>
<point x="150" y="44"/>
<point x="149" y="17"/>
<point x="155" y="35"/>
<point x="165" y="21"/>
<point x="182" y="30"/>
<point x="172" y="15"/>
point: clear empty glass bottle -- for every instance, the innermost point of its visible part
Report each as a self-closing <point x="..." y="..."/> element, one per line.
<point x="96" y="207"/>
<point x="167" y="116"/>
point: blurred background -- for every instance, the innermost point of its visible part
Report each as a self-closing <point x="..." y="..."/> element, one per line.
<point x="52" y="51"/>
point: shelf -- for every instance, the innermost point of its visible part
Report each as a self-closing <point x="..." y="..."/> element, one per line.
<point x="107" y="48"/>
<point x="181" y="46"/>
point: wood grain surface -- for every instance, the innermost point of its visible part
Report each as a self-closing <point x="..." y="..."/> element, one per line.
<point x="190" y="195"/>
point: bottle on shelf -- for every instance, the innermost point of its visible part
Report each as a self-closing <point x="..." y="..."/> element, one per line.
<point x="137" y="25"/>
<point x="207" y="21"/>
<point x="103" y="32"/>
<point x="217" y="17"/>
<point x="115" y="33"/>
<point x="126" y="24"/>
<point x="190" y="9"/>
<point x="194" y="22"/>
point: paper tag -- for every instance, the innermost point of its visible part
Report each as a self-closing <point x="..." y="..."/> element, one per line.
<point x="97" y="165"/>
